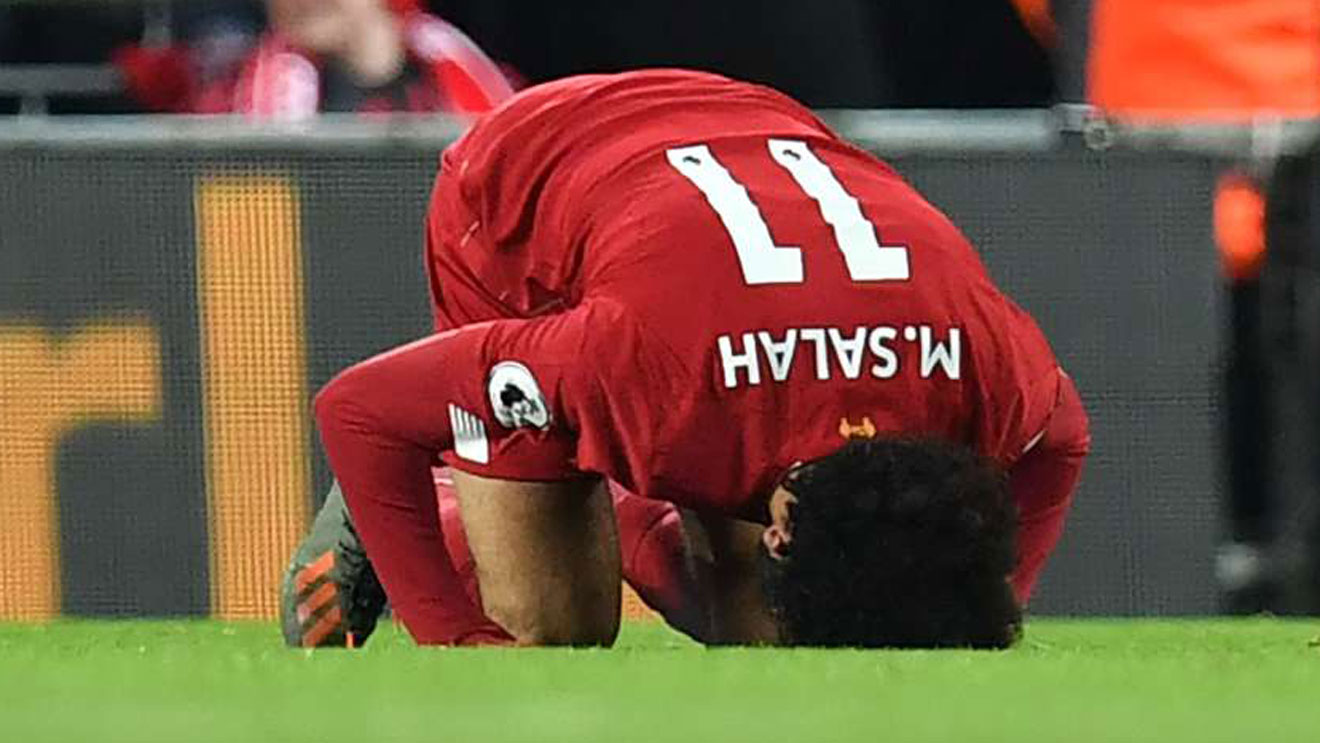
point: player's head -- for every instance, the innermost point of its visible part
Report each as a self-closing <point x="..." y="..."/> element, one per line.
<point x="894" y="543"/>
<point x="325" y="26"/>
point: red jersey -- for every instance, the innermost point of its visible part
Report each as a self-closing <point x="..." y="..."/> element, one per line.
<point x="684" y="284"/>
<point x="732" y="286"/>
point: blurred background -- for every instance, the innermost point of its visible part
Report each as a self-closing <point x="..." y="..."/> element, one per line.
<point x="209" y="207"/>
<point x="119" y="56"/>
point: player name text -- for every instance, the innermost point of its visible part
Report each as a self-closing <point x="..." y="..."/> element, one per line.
<point x="881" y="351"/>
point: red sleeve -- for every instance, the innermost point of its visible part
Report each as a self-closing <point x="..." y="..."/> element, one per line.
<point x="1021" y="388"/>
<point x="657" y="561"/>
<point x="1043" y="481"/>
<point x="385" y="421"/>
<point x="473" y="83"/>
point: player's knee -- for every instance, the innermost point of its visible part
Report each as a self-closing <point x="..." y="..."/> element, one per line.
<point x="339" y="401"/>
<point x="558" y="637"/>
<point x="535" y="626"/>
<point x="326" y="405"/>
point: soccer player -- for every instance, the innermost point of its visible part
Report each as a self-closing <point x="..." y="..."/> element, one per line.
<point x="691" y="287"/>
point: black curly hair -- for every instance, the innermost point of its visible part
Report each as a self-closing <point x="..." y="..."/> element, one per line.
<point x="901" y="543"/>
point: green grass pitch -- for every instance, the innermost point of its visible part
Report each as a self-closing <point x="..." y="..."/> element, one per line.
<point x="1123" y="681"/>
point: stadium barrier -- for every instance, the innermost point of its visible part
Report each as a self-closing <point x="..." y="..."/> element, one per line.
<point x="172" y="292"/>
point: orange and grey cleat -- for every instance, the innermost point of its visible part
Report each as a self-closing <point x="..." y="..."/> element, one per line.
<point x="330" y="596"/>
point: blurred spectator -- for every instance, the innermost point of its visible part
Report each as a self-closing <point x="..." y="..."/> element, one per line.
<point x="1179" y="59"/>
<point x="371" y="55"/>
<point x="219" y="36"/>
<point x="326" y="56"/>
<point x="1173" y="61"/>
<point x="363" y="55"/>
<point x="201" y="49"/>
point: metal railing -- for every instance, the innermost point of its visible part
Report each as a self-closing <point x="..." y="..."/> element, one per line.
<point x="34" y="85"/>
<point x="891" y="131"/>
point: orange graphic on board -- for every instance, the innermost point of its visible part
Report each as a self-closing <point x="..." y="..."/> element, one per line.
<point x="107" y="371"/>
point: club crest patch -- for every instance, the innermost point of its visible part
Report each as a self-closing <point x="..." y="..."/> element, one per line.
<point x="516" y="397"/>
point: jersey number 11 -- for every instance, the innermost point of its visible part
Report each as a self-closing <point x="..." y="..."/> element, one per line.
<point x="764" y="262"/>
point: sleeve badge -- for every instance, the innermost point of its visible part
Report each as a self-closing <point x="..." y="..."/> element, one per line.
<point x="516" y="397"/>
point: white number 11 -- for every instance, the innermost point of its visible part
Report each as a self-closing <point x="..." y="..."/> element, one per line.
<point x="764" y="262"/>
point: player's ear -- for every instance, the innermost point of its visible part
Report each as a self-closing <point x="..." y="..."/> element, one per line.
<point x="776" y="542"/>
<point x="778" y="536"/>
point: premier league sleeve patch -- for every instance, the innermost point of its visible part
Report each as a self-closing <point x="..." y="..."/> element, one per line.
<point x="516" y="397"/>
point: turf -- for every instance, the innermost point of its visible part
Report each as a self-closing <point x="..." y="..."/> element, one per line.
<point x="1166" y="681"/>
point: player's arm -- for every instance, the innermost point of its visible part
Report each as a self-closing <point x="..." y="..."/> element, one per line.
<point x="728" y="553"/>
<point x="547" y="557"/>
<point x="384" y="422"/>
<point x="382" y="436"/>
<point x="659" y="562"/>
<point x="1043" y="481"/>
